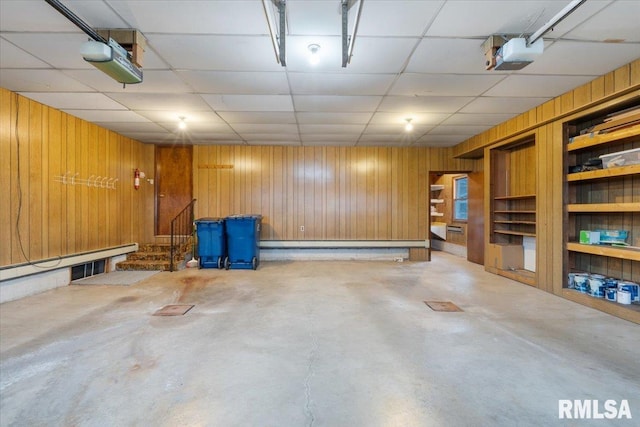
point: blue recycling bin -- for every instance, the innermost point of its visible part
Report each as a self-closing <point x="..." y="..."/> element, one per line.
<point x="212" y="247"/>
<point x="243" y="241"/>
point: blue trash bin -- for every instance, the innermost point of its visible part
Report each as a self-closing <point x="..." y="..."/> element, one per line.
<point x="212" y="247"/>
<point x="243" y="241"/>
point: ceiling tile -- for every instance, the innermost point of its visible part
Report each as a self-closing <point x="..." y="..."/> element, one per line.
<point x="610" y="56"/>
<point x="12" y="56"/>
<point x="471" y="119"/>
<point x="449" y="55"/>
<point x="471" y="18"/>
<point x="333" y="118"/>
<point x="618" y="20"/>
<point x="444" y="84"/>
<point x="180" y="103"/>
<point x="68" y="100"/>
<point x="395" y="139"/>
<point x="487" y="104"/>
<point x="336" y="103"/>
<point x="265" y="128"/>
<point x="399" y="119"/>
<point x="257" y="117"/>
<point x="216" y="52"/>
<point x="171" y="116"/>
<point x="396" y="128"/>
<point x="249" y="102"/>
<point x="154" y="81"/>
<point x="397" y="18"/>
<point x="340" y="84"/>
<point x="423" y="104"/>
<point x="39" y="16"/>
<point x="332" y="129"/>
<point x="104" y="116"/>
<point x="61" y="50"/>
<point x="459" y="130"/>
<point x="201" y="127"/>
<point x="236" y="82"/>
<point x="312" y="17"/>
<point x="205" y="17"/>
<point x="40" y="81"/>
<point x="536" y="86"/>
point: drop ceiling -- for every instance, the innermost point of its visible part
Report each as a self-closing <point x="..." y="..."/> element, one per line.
<point x="213" y="63"/>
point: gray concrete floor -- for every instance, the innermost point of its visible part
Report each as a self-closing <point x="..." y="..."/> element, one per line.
<point x="312" y="344"/>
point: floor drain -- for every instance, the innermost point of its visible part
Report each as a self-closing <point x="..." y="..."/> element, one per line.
<point x="442" y="306"/>
<point x="173" y="310"/>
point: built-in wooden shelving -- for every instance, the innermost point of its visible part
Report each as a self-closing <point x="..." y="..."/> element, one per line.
<point x="602" y="199"/>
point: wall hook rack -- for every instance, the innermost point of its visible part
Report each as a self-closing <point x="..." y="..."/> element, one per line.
<point x="70" y="178"/>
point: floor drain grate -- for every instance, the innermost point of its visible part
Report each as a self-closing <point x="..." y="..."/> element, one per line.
<point x="442" y="306"/>
<point x="173" y="310"/>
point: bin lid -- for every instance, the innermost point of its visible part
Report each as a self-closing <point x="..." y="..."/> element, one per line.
<point x="209" y="219"/>
<point x="245" y="216"/>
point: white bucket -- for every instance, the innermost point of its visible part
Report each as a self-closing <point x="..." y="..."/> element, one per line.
<point x="624" y="297"/>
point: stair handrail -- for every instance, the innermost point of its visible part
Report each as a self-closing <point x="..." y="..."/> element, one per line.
<point x="182" y="223"/>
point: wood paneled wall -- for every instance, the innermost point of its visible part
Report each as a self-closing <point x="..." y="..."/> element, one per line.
<point x="336" y="193"/>
<point x="41" y="218"/>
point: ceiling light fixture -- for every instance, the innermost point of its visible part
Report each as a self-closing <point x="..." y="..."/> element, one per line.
<point x="314" y="56"/>
<point x="409" y="126"/>
<point x="182" y="124"/>
<point x="349" y="39"/>
<point x="277" y="28"/>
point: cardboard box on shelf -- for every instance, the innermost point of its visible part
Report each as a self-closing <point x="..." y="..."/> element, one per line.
<point x="505" y="256"/>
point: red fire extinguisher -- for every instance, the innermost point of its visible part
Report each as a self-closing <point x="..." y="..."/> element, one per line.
<point x="136" y="179"/>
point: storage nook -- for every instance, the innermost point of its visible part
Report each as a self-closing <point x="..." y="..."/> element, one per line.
<point x="602" y="210"/>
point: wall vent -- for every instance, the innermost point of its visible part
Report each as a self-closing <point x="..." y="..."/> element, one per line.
<point x="92" y="268"/>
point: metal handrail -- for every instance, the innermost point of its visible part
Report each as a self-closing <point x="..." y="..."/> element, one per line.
<point x="181" y="230"/>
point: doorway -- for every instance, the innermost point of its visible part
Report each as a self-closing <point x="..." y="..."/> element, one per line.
<point x="456" y="219"/>
<point x="174" y="188"/>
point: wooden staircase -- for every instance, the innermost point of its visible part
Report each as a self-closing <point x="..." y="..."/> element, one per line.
<point x="155" y="256"/>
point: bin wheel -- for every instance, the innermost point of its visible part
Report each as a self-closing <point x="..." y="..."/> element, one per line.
<point x="220" y="263"/>
<point x="227" y="264"/>
<point x="254" y="263"/>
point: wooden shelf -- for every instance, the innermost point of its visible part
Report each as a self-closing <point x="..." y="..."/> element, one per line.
<point x="604" y="173"/>
<point x="521" y="197"/>
<point x="515" y="212"/>
<point x="579" y="143"/>
<point x="604" y="250"/>
<point x="437" y="214"/>
<point x="437" y="187"/>
<point x="437" y="201"/>
<point x="515" y="233"/>
<point x="523" y="276"/>
<point x="515" y="222"/>
<point x="603" y="207"/>
<point x="629" y="312"/>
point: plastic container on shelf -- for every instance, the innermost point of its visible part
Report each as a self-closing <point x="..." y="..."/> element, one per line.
<point x="212" y="248"/>
<point x="621" y="158"/>
<point x="243" y="241"/>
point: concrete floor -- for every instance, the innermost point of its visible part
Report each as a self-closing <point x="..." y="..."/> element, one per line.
<point x="312" y="344"/>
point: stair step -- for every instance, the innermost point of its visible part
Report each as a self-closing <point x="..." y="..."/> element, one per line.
<point x="148" y="256"/>
<point x="142" y="265"/>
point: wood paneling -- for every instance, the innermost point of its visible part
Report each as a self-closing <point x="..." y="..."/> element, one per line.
<point x="335" y="193"/>
<point x="41" y="218"/>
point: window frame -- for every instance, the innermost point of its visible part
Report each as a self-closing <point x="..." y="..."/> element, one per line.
<point x="456" y="199"/>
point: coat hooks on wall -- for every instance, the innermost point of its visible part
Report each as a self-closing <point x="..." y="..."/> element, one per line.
<point x="70" y="178"/>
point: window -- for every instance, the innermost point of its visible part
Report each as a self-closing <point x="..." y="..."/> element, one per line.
<point x="460" y="195"/>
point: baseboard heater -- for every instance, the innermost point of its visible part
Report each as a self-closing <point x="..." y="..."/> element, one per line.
<point x="20" y="270"/>
<point x="332" y="244"/>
